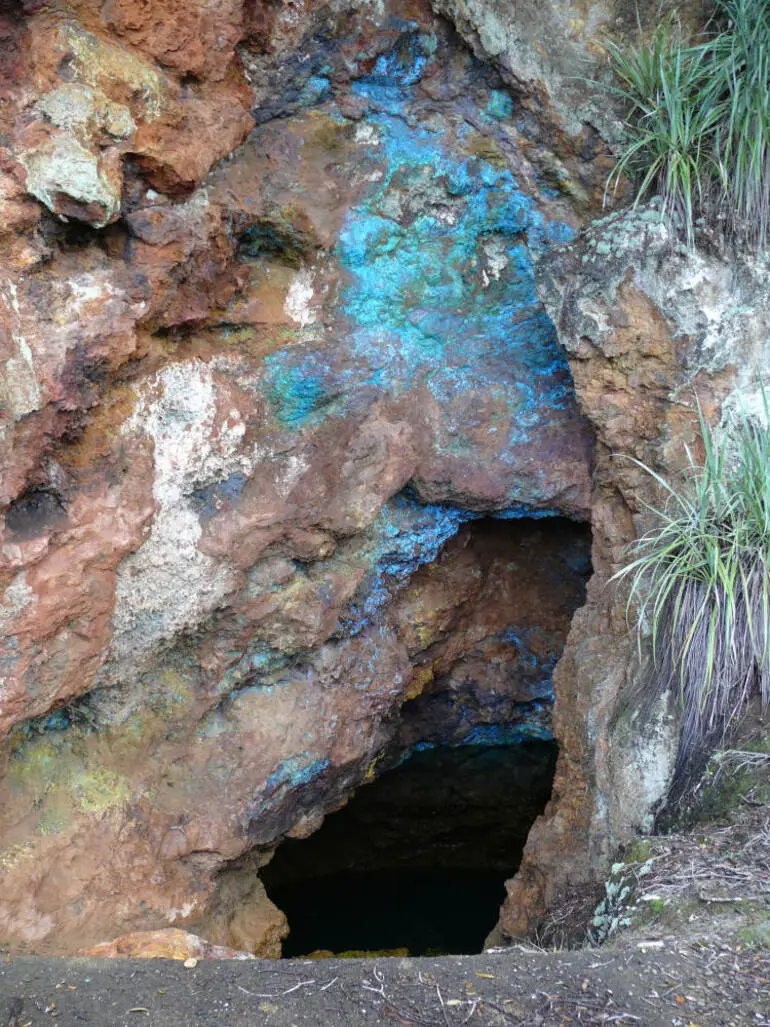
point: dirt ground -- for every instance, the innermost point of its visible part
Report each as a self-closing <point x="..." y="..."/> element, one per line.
<point x="680" y="985"/>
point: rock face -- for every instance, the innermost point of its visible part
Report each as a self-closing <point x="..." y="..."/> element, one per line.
<point x="245" y="405"/>
<point x="278" y="390"/>
<point x="651" y="331"/>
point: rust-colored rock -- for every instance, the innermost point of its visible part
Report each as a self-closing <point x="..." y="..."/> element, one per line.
<point x="100" y="102"/>
<point x="60" y="558"/>
<point x="196" y="38"/>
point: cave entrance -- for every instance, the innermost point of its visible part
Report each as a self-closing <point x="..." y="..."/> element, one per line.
<point x="417" y="860"/>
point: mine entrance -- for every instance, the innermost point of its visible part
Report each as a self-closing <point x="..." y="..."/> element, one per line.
<point x="417" y="860"/>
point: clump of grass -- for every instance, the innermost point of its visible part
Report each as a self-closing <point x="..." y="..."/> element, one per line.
<point x="697" y="129"/>
<point x="669" y="132"/>
<point x="757" y="935"/>
<point x="740" y="63"/>
<point x="699" y="581"/>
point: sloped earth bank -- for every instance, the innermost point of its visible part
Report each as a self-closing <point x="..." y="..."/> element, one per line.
<point x="313" y="382"/>
<point x="684" y="984"/>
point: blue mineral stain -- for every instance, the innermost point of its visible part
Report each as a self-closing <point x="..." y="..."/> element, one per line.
<point x="508" y="734"/>
<point x="500" y="105"/>
<point x="437" y="261"/>
<point x="446" y="291"/>
<point x="520" y="511"/>
<point x="402" y="65"/>
<point x="266" y="238"/>
<point x="294" y="390"/>
<point x="316" y="89"/>
<point x="420" y="747"/>
<point x="291" y="774"/>
<point x="59" y="720"/>
<point x="534" y="725"/>
<point x="423" y="294"/>
<point x="252" y="669"/>
<point x="533" y="667"/>
<point x="406" y="535"/>
<point x="294" y="773"/>
<point x="210" y="499"/>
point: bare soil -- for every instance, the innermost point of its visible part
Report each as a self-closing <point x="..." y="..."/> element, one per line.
<point x="679" y="984"/>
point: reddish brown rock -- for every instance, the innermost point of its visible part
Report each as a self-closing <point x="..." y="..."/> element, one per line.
<point x="178" y="149"/>
<point x="205" y="458"/>
<point x="197" y="38"/>
<point x="59" y="559"/>
<point x="100" y="101"/>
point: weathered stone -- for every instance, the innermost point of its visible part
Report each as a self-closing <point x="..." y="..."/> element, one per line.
<point x="170" y="943"/>
<point x="196" y="38"/>
<point x="60" y="555"/>
<point x="651" y="331"/>
<point x="105" y="101"/>
<point x="74" y="182"/>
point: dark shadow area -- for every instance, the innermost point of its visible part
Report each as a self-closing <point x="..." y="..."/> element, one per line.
<point x="418" y="859"/>
<point x="427" y="912"/>
<point x="33" y="513"/>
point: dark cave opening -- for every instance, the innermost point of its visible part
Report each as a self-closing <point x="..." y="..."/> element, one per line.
<point x="416" y="860"/>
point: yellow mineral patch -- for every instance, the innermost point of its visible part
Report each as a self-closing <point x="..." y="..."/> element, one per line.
<point x="99" y="790"/>
<point x="486" y="148"/>
<point x="50" y="770"/>
<point x="373" y="766"/>
<point x="35" y="769"/>
<point x="10" y="858"/>
<point x="101" y="64"/>
<point x="421" y="678"/>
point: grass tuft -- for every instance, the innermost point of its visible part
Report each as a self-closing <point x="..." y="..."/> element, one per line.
<point x="697" y="130"/>
<point x="699" y="581"/>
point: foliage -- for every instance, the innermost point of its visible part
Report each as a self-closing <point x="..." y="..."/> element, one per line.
<point x="697" y="129"/>
<point x="732" y="779"/>
<point x="740" y="66"/>
<point x="614" y="911"/>
<point x="656" y="906"/>
<point x="757" y="935"/>
<point x="700" y="579"/>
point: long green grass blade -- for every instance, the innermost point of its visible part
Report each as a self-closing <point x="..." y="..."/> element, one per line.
<point x="699" y="579"/>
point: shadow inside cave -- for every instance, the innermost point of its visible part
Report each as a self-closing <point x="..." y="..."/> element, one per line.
<point x="417" y="860"/>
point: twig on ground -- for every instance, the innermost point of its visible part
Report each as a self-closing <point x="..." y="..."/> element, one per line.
<point x="277" y="994"/>
<point x="443" y="1007"/>
<point x="503" y="1012"/>
<point x="379" y="977"/>
<point x="474" y="1007"/>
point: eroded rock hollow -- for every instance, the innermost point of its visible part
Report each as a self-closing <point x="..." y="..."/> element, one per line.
<point x="295" y="474"/>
